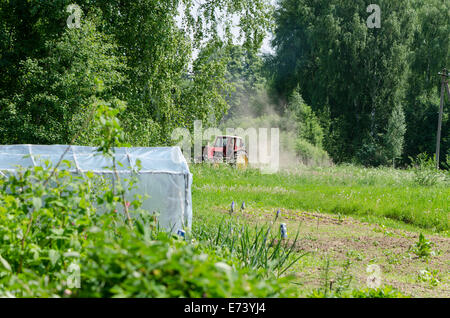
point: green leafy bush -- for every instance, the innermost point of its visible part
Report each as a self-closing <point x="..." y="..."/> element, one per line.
<point x="133" y="264"/>
<point x="309" y="127"/>
<point x="423" y="248"/>
<point x="310" y="154"/>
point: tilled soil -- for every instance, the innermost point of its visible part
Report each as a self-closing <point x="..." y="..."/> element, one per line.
<point x="339" y="238"/>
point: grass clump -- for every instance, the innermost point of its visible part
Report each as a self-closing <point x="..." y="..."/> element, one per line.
<point x="255" y="247"/>
<point x="423" y="248"/>
<point x="340" y="286"/>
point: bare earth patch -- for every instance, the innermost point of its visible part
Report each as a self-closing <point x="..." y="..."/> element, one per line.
<point x="339" y="239"/>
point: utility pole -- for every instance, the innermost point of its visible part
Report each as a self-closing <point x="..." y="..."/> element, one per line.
<point x="444" y="84"/>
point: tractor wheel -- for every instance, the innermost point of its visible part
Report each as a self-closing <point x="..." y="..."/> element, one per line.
<point x="241" y="160"/>
<point x="206" y="159"/>
<point x="217" y="160"/>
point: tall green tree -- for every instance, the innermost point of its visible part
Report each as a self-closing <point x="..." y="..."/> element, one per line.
<point x="395" y="134"/>
<point x="354" y="74"/>
<point x="54" y="92"/>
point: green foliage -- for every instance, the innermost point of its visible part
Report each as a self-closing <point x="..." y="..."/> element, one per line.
<point x="423" y="248"/>
<point x="308" y="124"/>
<point x="311" y="155"/>
<point x="248" y="97"/>
<point x="331" y="288"/>
<point x="44" y="227"/>
<point x="258" y="248"/>
<point x="132" y="265"/>
<point x="431" y="52"/>
<point x="54" y="92"/>
<point x="382" y="292"/>
<point x="429" y="276"/>
<point x="357" y="79"/>
<point x="340" y="287"/>
<point x="142" y="52"/>
<point x="111" y="133"/>
<point x="425" y="173"/>
<point x="395" y="132"/>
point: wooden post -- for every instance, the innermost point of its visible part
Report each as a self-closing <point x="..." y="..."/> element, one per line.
<point x="444" y="84"/>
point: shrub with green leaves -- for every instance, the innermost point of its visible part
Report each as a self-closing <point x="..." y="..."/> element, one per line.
<point x="425" y="173"/>
<point x="310" y="154"/>
<point x="43" y="217"/>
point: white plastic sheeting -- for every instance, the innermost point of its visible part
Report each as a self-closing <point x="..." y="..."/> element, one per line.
<point x="164" y="175"/>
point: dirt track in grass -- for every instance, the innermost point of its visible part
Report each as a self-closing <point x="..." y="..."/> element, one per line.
<point x="342" y="238"/>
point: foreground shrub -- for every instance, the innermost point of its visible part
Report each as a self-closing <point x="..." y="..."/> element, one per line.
<point x="134" y="265"/>
<point x="142" y="263"/>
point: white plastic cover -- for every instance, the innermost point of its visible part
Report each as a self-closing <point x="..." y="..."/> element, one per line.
<point x="164" y="175"/>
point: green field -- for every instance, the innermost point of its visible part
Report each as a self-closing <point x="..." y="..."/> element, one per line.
<point x="364" y="216"/>
<point x="375" y="195"/>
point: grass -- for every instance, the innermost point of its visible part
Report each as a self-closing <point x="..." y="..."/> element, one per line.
<point x="345" y="214"/>
<point x="385" y="196"/>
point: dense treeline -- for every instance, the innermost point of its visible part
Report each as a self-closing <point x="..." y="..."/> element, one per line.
<point x="376" y="90"/>
<point x="370" y="95"/>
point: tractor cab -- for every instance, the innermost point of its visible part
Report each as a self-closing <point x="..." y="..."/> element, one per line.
<point x="230" y="149"/>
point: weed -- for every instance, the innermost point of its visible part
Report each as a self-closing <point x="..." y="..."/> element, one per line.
<point x="429" y="276"/>
<point x="425" y="173"/>
<point x="382" y="229"/>
<point x="384" y="292"/>
<point x="423" y="248"/>
<point x="392" y="258"/>
<point x="355" y="254"/>
<point x="336" y="287"/>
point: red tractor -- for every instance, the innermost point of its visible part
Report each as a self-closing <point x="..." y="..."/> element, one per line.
<point x="230" y="148"/>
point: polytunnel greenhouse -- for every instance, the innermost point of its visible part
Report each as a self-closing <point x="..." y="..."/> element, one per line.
<point x="163" y="175"/>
